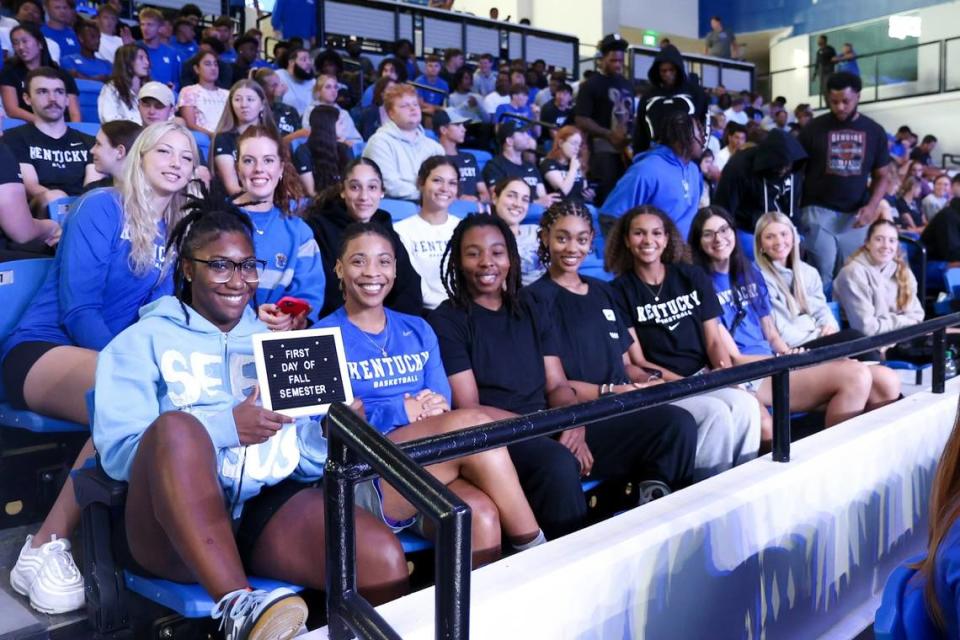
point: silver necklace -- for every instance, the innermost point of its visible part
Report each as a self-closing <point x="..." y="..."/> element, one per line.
<point x="381" y="348"/>
<point x="655" y="294"/>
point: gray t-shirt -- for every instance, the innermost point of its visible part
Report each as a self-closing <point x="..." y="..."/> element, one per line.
<point x="720" y="43"/>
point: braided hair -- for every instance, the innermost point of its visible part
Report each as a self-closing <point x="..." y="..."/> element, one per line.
<point x="451" y="266"/>
<point x="205" y="218"/>
<point x="553" y="213"/>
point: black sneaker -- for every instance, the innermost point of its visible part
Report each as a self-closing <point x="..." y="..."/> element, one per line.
<point x="260" y="615"/>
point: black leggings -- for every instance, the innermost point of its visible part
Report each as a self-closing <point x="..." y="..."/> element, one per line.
<point x="653" y="444"/>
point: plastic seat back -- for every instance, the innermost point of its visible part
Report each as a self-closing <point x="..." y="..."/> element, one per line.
<point x="399" y="209"/>
<point x="89" y="93"/>
<point x="482" y="157"/>
<point x="89" y="128"/>
<point x="10" y="123"/>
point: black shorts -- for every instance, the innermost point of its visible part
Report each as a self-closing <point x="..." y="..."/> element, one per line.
<point x="17" y="365"/>
<point x="257" y="512"/>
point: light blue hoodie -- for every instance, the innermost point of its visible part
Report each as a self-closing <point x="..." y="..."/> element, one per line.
<point x="660" y="178"/>
<point x="162" y="363"/>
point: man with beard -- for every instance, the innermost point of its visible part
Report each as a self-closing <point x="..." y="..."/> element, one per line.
<point x="55" y="160"/>
<point x="845" y="150"/>
<point x="670" y="90"/>
<point x="767" y="177"/>
<point x="603" y="111"/>
<point x="299" y="78"/>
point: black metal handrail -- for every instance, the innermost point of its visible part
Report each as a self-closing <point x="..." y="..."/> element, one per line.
<point x="403" y="465"/>
<point x="353" y="442"/>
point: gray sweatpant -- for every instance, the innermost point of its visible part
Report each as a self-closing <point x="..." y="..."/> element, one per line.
<point x="830" y="238"/>
<point x="728" y="429"/>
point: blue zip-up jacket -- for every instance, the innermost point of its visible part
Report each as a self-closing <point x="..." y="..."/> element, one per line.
<point x="660" y="178"/>
<point x="411" y="365"/>
<point x="294" y="265"/>
<point x="163" y="363"/>
<point x="295" y="18"/>
<point x="90" y="293"/>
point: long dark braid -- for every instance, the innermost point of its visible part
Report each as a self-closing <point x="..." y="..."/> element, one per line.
<point x="206" y="217"/>
<point x="451" y="270"/>
<point x="553" y="213"/>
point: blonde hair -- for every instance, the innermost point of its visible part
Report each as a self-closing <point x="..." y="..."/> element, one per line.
<point x="906" y="288"/>
<point x="318" y="86"/>
<point x="140" y="221"/>
<point x="796" y="298"/>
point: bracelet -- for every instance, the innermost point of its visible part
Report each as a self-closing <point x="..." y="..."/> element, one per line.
<point x="606" y="389"/>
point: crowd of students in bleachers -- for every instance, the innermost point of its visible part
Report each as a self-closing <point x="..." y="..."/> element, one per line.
<point x="154" y="292"/>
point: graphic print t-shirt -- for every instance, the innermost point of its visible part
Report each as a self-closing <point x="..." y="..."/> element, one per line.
<point x="467" y="166"/>
<point x="670" y="329"/>
<point x="607" y="100"/>
<point x="60" y="162"/>
<point x="842" y="156"/>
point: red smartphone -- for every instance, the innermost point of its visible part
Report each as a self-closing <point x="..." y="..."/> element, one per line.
<point x="293" y="306"/>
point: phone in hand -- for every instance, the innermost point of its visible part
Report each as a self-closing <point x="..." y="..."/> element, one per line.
<point x="293" y="306"/>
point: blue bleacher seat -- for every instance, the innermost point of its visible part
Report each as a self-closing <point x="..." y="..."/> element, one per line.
<point x="534" y="213"/>
<point x="189" y="600"/>
<point x="296" y="143"/>
<point x="951" y="284"/>
<point x="89" y="93"/>
<point x="89" y="128"/>
<point x="483" y="157"/>
<point x="462" y="208"/>
<point x="745" y="240"/>
<point x="19" y="280"/>
<point x="399" y="209"/>
<point x="203" y="144"/>
<point x="835" y="308"/>
<point x="10" y="123"/>
<point x="902" y="614"/>
<point x="58" y="209"/>
<point x="358" y="148"/>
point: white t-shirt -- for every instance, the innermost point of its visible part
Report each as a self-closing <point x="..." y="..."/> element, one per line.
<point x="493" y="100"/>
<point x="722" y="158"/>
<point x="108" y="47"/>
<point x="299" y="95"/>
<point x="209" y="104"/>
<point x="111" y="107"/>
<point x="426" y="243"/>
<point x="740" y="117"/>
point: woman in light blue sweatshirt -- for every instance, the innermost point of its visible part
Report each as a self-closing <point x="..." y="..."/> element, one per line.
<point x="271" y="198"/>
<point x="393" y="360"/>
<point x="217" y="485"/>
<point x="109" y="263"/>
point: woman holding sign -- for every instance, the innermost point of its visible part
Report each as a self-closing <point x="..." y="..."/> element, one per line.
<point x="394" y="366"/>
<point x="271" y="196"/>
<point x="218" y="486"/>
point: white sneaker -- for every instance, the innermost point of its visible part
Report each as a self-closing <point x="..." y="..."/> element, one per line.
<point x="261" y="615"/>
<point x="49" y="576"/>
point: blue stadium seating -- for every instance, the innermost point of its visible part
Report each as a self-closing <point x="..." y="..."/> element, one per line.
<point x="399" y="209"/>
<point x="89" y="128"/>
<point x="482" y="157"/>
<point x="58" y="209"/>
<point x="951" y="284"/>
<point x="19" y="280"/>
<point x="189" y="600"/>
<point x="203" y="144"/>
<point x="358" y="148"/>
<point x="902" y="614"/>
<point x="10" y="123"/>
<point x="89" y="93"/>
<point x="745" y="240"/>
<point x="462" y="208"/>
<point x="296" y="143"/>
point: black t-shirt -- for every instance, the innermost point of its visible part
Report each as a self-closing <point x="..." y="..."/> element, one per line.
<point x="467" y="165"/>
<point x="60" y="163"/>
<point x="13" y="75"/>
<point x="552" y="114"/>
<point x="841" y="156"/>
<point x="499" y="168"/>
<point x="9" y="166"/>
<point x="225" y="144"/>
<point x="669" y="321"/>
<point x="592" y="335"/>
<point x="922" y="157"/>
<point x="825" y="58"/>
<point x="602" y="97"/>
<point x="576" y="191"/>
<point x="942" y="235"/>
<point x="303" y="159"/>
<point x="504" y="350"/>
<point x="286" y="118"/>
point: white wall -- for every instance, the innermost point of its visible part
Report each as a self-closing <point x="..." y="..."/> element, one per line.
<point x="930" y="114"/>
<point x="679" y="17"/>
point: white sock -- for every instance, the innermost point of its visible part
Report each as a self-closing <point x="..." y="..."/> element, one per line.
<point x="536" y="542"/>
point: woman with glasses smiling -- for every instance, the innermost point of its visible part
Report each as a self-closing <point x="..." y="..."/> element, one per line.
<point x="841" y="388"/>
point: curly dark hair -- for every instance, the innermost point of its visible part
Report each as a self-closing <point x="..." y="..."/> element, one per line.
<point x="619" y="260"/>
<point x="451" y="266"/>
<point x="553" y="213"/>
<point x="206" y="217"/>
<point x="677" y="132"/>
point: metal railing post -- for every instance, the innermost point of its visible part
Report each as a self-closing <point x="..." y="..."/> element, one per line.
<point x="340" y="552"/>
<point x="781" y="416"/>
<point x="453" y="564"/>
<point x="939" y="360"/>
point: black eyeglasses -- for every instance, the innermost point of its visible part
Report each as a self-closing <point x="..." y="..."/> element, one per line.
<point x="221" y="269"/>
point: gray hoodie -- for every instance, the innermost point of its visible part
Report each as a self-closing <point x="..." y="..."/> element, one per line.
<point x="803" y="327"/>
<point x="868" y="295"/>
<point x="399" y="158"/>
